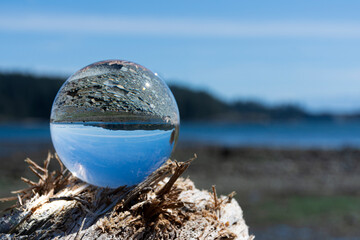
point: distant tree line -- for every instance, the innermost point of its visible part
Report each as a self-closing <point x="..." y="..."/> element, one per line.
<point x="200" y="105"/>
<point x="24" y="96"/>
<point x="27" y="96"/>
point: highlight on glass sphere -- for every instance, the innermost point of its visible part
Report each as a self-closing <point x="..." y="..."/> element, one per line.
<point x="113" y="123"/>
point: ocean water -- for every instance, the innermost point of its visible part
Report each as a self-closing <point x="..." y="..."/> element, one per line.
<point x="17" y="132"/>
<point x="282" y="135"/>
<point x="319" y="134"/>
<point x="112" y="155"/>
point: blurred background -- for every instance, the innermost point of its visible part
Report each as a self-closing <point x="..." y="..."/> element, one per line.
<point x="268" y="92"/>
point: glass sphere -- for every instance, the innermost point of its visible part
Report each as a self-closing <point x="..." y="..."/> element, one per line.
<point x="113" y="123"/>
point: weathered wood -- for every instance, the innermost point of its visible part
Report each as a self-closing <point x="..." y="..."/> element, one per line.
<point x="164" y="206"/>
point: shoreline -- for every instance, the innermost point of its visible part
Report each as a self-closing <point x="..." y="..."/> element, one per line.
<point x="280" y="183"/>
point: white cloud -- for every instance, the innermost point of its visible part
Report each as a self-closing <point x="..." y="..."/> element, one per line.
<point x="176" y="27"/>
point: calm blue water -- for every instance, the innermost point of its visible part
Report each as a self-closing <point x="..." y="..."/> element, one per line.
<point x="304" y="134"/>
<point x="14" y="132"/>
<point x="300" y="135"/>
<point x="107" y="157"/>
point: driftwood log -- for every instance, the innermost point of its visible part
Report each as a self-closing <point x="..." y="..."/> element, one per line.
<point x="164" y="206"/>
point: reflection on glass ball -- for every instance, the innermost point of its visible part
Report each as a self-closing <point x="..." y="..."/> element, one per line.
<point x="113" y="123"/>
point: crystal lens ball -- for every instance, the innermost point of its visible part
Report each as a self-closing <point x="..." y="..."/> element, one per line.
<point x="113" y="123"/>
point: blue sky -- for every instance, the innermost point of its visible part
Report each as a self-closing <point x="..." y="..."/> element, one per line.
<point x="303" y="52"/>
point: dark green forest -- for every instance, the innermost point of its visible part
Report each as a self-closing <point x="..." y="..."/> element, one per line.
<point x="26" y="97"/>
